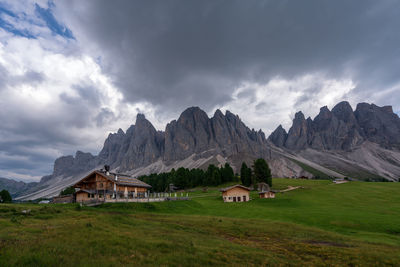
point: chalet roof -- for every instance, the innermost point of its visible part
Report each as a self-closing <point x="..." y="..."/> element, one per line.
<point x="122" y="179"/>
<point x="233" y="186"/>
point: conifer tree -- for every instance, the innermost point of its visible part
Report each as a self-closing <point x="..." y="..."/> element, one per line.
<point x="262" y="172"/>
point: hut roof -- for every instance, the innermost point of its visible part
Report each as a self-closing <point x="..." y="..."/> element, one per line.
<point x="119" y="179"/>
<point x="273" y="191"/>
<point x="233" y="186"/>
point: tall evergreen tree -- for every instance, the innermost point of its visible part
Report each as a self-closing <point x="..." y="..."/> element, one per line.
<point x="216" y="177"/>
<point x="67" y="191"/>
<point x="227" y="174"/>
<point x="209" y="175"/>
<point x="5" y="196"/>
<point x="245" y="175"/>
<point x="262" y="172"/>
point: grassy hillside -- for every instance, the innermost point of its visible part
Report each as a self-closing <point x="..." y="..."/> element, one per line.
<point x="322" y="224"/>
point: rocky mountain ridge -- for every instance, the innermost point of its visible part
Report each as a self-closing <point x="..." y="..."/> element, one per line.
<point x="15" y="187"/>
<point x="328" y="144"/>
<point x="341" y="129"/>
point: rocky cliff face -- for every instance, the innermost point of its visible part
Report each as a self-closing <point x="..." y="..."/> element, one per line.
<point x="190" y="134"/>
<point x="379" y="124"/>
<point x="278" y="137"/>
<point x="69" y="165"/>
<point x="341" y="129"/>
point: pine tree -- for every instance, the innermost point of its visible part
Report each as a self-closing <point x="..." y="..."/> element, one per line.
<point x="5" y="196"/>
<point x="262" y="172"/>
<point x="245" y="175"/>
<point x="227" y="173"/>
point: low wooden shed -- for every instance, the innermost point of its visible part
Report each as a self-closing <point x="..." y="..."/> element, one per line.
<point x="267" y="194"/>
<point x="235" y="193"/>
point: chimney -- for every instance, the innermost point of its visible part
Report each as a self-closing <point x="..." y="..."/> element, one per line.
<point x="107" y="168"/>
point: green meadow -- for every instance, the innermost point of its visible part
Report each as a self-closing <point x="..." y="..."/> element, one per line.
<point x="352" y="224"/>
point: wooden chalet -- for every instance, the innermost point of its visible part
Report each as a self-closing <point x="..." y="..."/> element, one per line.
<point x="104" y="185"/>
<point x="235" y="193"/>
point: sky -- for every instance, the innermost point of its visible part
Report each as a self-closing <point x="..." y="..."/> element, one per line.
<point x="73" y="71"/>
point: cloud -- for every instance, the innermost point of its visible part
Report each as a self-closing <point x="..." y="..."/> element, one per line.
<point x="266" y="106"/>
<point x="176" y="54"/>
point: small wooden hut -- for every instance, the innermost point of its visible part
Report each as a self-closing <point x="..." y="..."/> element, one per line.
<point x="267" y="194"/>
<point x="235" y="193"/>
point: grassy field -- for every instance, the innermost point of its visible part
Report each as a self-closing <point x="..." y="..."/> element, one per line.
<point x="352" y="224"/>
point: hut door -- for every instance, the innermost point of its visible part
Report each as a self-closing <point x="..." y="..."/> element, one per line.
<point x="244" y="198"/>
<point x="234" y="199"/>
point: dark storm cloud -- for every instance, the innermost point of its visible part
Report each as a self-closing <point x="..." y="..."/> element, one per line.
<point x="30" y="140"/>
<point x="182" y="53"/>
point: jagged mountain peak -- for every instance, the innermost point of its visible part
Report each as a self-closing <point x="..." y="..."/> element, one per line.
<point x="299" y="116"/>
<point x="141" y="121"/>
<point x="280" y="128"/>
<point x="218" y="114"/>
<point x="278" y="136"/>
<point x="192" y="112"/>
<point x="343" y="106"/>
<point x="140" y="116"/>
<point x="344" y="112"/>
<point x="230" y="115"/>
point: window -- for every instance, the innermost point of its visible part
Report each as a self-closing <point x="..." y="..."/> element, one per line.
<point x="239" y="199"/>
<point x="88" y="195"/>
<point x="101" y="185"/>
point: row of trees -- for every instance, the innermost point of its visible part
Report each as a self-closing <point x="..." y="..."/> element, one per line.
<point x="68" y="191"/>
<point x="184" y="178"/>
<point x="261" y="173"/>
